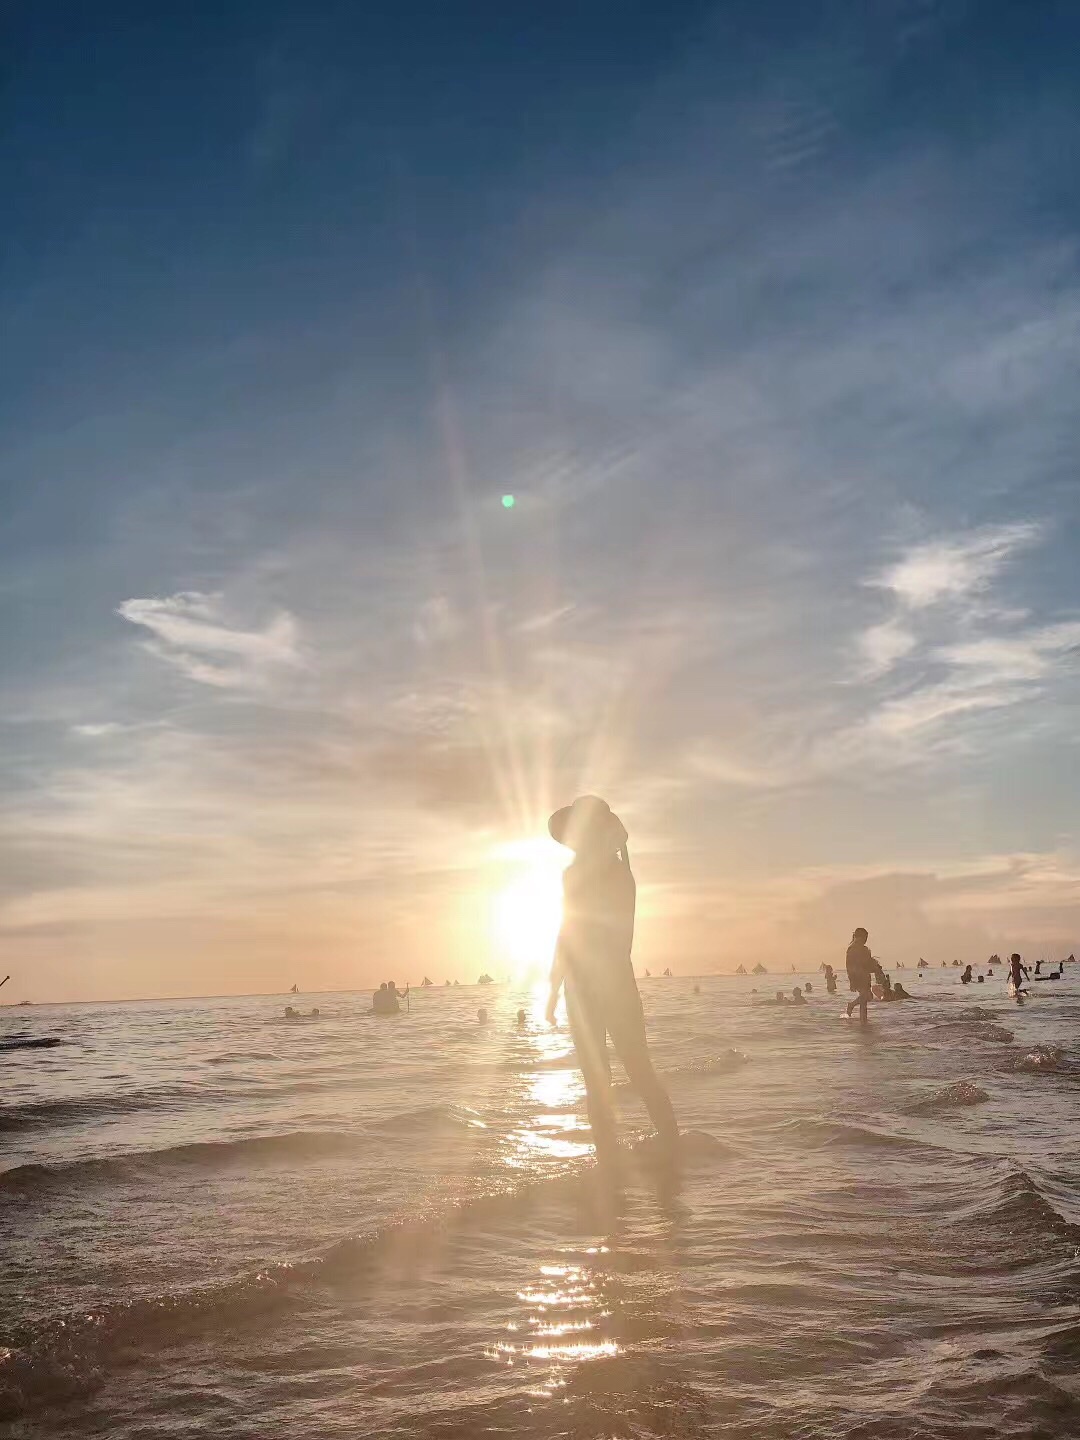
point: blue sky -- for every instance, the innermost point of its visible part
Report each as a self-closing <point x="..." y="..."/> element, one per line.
<point x="769" y="315"/>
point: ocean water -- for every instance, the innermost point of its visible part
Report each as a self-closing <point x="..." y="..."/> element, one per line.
<point x="217" y="1223"/>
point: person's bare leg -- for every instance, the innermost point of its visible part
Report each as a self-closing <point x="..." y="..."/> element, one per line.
<point x="600" y="1110"/>
<point x="642" y="1075"/>
<point x="590" y="1041"/>
<point x="632" y="1047"/>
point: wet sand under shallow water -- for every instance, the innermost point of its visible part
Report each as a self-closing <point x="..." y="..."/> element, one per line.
<point x="393" y="1230"/>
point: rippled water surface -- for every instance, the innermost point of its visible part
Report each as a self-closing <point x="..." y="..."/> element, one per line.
<point x="215" y="1222"/>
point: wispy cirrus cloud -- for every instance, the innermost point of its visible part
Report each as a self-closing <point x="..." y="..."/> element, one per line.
<point x="190" y="631"/>
<point x="949" y="569"/>
<point x="881" y="646"/>
<point x="956" y="665"/>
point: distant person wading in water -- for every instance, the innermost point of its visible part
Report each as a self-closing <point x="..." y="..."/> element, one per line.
<point x="592" y="957"/>
<point x="861" y="968"/>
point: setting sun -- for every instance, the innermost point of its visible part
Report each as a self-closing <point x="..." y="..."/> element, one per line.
<point x="527" y="909"/>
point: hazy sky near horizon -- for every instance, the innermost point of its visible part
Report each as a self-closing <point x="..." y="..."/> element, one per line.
<point x="767" y="314"/>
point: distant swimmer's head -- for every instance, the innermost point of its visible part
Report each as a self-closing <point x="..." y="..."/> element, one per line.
<point x="383" y="985"/>
<point x="521" y="1019"/>
<point x="861" y="935"/>
<point x="797" y="993"/>
<point x="779" y="994"/>
<point x="1016" y="958"/>
<point x="589" y="826"/>
<point x="482" y="1016"/>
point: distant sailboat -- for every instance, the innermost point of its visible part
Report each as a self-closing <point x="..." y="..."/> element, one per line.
<point x="923" y="964"/>
<point x="426" y="984"/>
<point x="295" y="990"/>
<point x="740" y="970"/>
<point x="668" y="974"/>
<point x="759" y="969"/>
<point x="648" y="974"/>
<point x="485" y="980"/>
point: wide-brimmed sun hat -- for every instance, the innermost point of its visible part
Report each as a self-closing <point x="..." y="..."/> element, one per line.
<point x="587" y="824"/>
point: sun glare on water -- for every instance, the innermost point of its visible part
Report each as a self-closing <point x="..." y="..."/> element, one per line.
<point x="527" y="910"/>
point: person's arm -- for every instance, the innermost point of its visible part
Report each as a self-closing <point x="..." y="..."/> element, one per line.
<point x="558" y="974"/>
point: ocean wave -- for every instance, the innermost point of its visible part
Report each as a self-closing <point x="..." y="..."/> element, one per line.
<point x="427" y="1118"/>
<point x="1041" y="1058"/>
<point x="990" y="1032"/>
<point x="720" y="1064"/>
<point x="848" y="1132"/>
<point x="239" y="1057"/>
<point x="47" y="1113"/>
<point x="299" y="1144"/>
<point x="1022" y="1205"/>
<point x="63" y="1358"/>
<point x="959" y="1093"/>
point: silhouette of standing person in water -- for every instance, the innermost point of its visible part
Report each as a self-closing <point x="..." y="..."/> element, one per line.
<point x="592" y="958"/>
<point x="861" y="969"/>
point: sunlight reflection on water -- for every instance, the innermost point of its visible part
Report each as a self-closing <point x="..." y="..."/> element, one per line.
<point x="552" y="1099"/>
<point x="566" y="1306"/>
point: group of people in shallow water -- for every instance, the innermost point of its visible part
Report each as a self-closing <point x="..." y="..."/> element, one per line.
<point x="387" y="999"/>
<point x="858" y="975"/>
<point x="863" y="969"/>
<point x="291" y="1013"/>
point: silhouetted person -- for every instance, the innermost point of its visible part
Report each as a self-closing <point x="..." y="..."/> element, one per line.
<point x="965" y="977"/>
<point x="808" y="987"/>
<point x="1018" y="972"/>
<point x="861" y="969"/>
<point x="521" y="1020"/>
<point x="830" y="980"/>
<point x="481" y="1016"/>
<point x="385" y="1001"/>
<point x="899" y="993"/>
<point x="797" y="997"/>
<point x="778" y="999"/>
<point x="592" y="958"/>
<point x="395" y="992"/>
